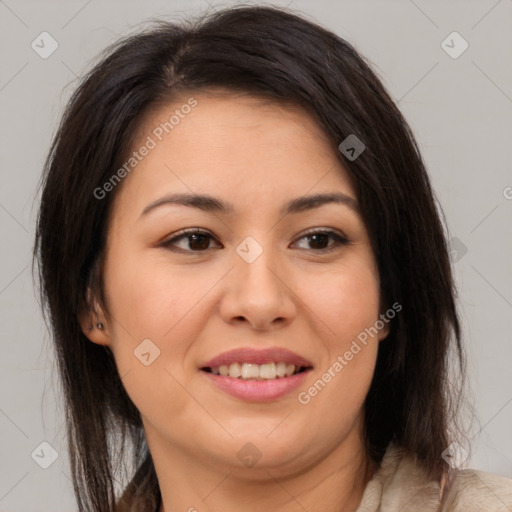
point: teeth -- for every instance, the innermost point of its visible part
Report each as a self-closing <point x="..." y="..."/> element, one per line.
<point x="235" y="370"/>
<point x="251" y="371"/>
<point x="268" y="371"/>
<point x="290" y="369"/>
<point x="281" y="369"/>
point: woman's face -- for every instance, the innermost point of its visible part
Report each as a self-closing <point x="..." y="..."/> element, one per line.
<point x="254" y="280"/>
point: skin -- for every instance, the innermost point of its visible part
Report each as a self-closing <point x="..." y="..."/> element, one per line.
<point x="196" y="305"/>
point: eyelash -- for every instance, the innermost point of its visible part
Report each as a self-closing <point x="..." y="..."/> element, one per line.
<point x="339" y="239"/>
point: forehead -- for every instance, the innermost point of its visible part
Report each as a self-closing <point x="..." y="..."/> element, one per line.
<point x="233" y="146"/>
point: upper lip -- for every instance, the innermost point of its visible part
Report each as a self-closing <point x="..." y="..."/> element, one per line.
<point x="257" y="356"/>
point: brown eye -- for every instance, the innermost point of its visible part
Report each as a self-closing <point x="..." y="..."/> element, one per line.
<point x="319" y="240"/>
<point x="198" y="242"/>
<point x="190" y="241"/>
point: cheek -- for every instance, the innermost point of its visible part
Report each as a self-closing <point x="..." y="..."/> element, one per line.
<point x="148" y="302"/>
<point x="346" y="305"/>
<point x="150" y="298"/>
<point x="345" y="301"/>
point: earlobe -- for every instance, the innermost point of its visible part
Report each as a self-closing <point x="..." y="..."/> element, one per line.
<point x="384" y="326"/>
<point x="94" y="327"/>
<point x="384" y="332"/>
<point x="384" y="321"/>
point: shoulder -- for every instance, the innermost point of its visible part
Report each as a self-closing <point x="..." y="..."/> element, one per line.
<point x="471" y="490"/>
<point x="401" y="484"/>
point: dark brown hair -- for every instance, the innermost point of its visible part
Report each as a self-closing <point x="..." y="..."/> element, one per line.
<point x="274" y="54"/>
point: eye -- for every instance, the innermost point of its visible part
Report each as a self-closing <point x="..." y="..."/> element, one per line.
<point x="193" y="240"/>
<point x="319" y="239"/>
<point x="197" y="240"/>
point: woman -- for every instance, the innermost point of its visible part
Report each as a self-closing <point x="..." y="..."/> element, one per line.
<point x="248" y="282"/>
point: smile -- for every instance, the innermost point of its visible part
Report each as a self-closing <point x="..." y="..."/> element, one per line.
<point x="256" y="372"/>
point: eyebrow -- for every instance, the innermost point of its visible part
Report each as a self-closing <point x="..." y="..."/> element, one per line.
<point x="209" y="203"/>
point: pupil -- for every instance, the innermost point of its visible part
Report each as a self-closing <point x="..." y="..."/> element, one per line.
<point x="315" y="237"/>
<point x="199" y="237"/>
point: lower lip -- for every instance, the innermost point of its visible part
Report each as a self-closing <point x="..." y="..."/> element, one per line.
<point x="258" y="391"/>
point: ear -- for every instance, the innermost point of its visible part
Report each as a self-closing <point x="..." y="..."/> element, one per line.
<point x="94" y="324"/>
<point x="384" y="318"/>
<point x="384" y="332"/>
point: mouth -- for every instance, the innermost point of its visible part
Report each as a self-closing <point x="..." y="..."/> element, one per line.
<point x="257" y="375"/>
<point x="250" y="388"/>
<point x="257" y="372"/>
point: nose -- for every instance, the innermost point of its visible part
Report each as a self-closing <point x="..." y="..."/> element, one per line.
<point x="258" y="293"/>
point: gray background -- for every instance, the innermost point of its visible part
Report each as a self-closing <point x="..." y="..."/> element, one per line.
<point x="459" y="109"/>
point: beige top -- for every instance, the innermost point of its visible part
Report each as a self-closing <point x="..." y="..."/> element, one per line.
<point x="400" y="485"/>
